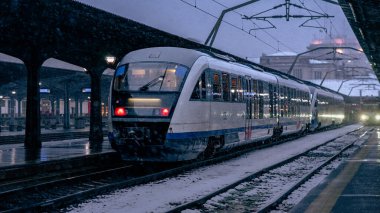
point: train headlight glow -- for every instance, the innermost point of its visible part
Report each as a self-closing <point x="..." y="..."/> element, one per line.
<point x="377" y="117"/>
<point x="364" y="117"/>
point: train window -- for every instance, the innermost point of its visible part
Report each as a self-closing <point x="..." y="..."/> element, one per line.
<point x="150" y="77"/>
<point x="216" y="87"/>
<point x="271" y="104"/>
<point x="281" y="101"/>
<point x="173" y="77"/>
<point x="244" y="85"/>
<point x="240" y="89"/>
<point x="199" y="92"/>
<point x="226" y="86"/>
<point x="255" y="101"/>
<point x="275" y="100"/>
<point x="261" y="99"/>
<point x="234" y="93"/>
<point x="265" y="95"/>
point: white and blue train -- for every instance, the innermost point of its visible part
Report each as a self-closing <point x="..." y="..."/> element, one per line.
<point x="176" y="104"/>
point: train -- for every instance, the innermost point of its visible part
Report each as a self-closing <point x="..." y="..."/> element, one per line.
<point x="172" y="104"/>
<point x="370" y="113"/>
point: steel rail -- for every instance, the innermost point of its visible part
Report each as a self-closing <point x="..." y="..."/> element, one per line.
<point x="207" y="197"/>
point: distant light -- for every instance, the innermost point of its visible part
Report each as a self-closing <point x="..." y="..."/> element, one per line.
<point x="44" y="90"/>
<point x="110" y="59"/>
<point x="86" y="90"/>
<point x="13" y="92"/>
<point x="1" y="96"/>
<point x="39" y="83"/>
<point x="349" y="61"/>
<point x="88" y="97"/>
<point x="316" y="42"/>
<point x="84" y="69"/>
<point x="69" y="99"/>
<point x="339" y="51"/>
<point x="339" y="41"/>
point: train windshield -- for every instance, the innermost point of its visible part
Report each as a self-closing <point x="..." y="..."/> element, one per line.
<point x="150" y="77"/>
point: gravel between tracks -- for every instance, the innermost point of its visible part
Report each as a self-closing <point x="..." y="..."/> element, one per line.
<point x="163" y="195"/>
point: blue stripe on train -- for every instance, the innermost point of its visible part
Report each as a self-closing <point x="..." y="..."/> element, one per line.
<point x="184" y="135"/>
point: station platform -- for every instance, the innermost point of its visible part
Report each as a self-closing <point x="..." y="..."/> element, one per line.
<point x="43" y="131"/>
<point x="353" y="187"/>
<point x="15" y="155"/>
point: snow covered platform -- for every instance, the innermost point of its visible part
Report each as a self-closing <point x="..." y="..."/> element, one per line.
<point x="354" y="187"/>
<point x="15" y="155"/>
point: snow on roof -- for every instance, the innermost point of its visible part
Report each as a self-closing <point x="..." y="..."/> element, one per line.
<point x="51" y="62"/>
<point x="284" y="54"/>
<point x="313" y="61"/>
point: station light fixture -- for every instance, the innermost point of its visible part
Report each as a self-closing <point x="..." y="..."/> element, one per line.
<point x="1" y="97"/>
<point x="110" y="60"/>
<point x="13" y="92"/>
<point x="377" y="117"/>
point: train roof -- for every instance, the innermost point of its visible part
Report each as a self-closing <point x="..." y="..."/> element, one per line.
<point x="169" y="54"/>
<point x="176" y="54"/>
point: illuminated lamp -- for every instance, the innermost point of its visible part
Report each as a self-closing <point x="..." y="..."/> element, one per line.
<point x="120" y="111"/>
<point x="164" y="112"/>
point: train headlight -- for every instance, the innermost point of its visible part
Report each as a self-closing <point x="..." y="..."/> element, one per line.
<point x="377" y="117"/>
<point x="364" y="117"/>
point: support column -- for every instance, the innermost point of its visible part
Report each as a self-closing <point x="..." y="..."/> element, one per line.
<point x="57" y="110"/>
<point x="19" y="101"/>
<point x="66" y="113"/>
<point x="76" y="107"/>
<point x="52" y="106"/>
<point x="96" y="131"/>
<point x="57" y="107"/>
<point x="33" y="123"/>
<point x="80" y="107"/>
<point x="12" y="107"/>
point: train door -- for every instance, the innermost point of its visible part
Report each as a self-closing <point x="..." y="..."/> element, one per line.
<point x="248" y="111"/>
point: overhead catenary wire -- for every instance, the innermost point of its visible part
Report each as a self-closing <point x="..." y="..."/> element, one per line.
<point x="331" y="23"/>
<point x="232" y="25"/>
<point x="266" y="32"/>
<point x="303" y="4"/>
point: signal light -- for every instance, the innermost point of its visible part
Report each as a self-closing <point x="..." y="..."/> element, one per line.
<point x="120" y="111"/>
<point x="164" y="112"/>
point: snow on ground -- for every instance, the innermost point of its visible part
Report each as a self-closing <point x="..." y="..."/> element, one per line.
<point x="163" y="195"/>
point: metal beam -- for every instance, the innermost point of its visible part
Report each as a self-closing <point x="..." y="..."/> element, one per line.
<point x="318" y="48"/>
<point x="331" y="2"/>
<point x="211" y="37"/>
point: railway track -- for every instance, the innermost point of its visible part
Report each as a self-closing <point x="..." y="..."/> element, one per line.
<point x="264" y="190"/>
<point x="63" y="188"/>
<point x="15" y="139"/>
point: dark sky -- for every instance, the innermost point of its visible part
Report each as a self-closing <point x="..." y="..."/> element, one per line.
<point x="182" y="18"/>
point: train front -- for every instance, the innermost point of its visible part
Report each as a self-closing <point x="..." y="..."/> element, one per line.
<point x="144" y="93"/>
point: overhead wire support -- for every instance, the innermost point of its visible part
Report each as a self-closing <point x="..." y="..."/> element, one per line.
<point x="287" y="15"/>
<point x="211" y="37"/>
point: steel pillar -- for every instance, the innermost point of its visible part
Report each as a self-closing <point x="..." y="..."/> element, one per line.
<point x="32" y="123"/>
<point x="19" y="103"/>
<point x="52" y="106"/>
<point x="76" y="107"/>
<point x="80" y="107"/>
<point x="66" y="113"/>
<point x="96" y="131"/>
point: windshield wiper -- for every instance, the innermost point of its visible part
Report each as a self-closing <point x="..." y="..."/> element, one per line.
<point x="152" y="83"/>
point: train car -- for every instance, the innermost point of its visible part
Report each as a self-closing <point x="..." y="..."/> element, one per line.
<point x="369" y="113"/>
<point x="327" y="108"/>
<point x="176" y="104"/>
